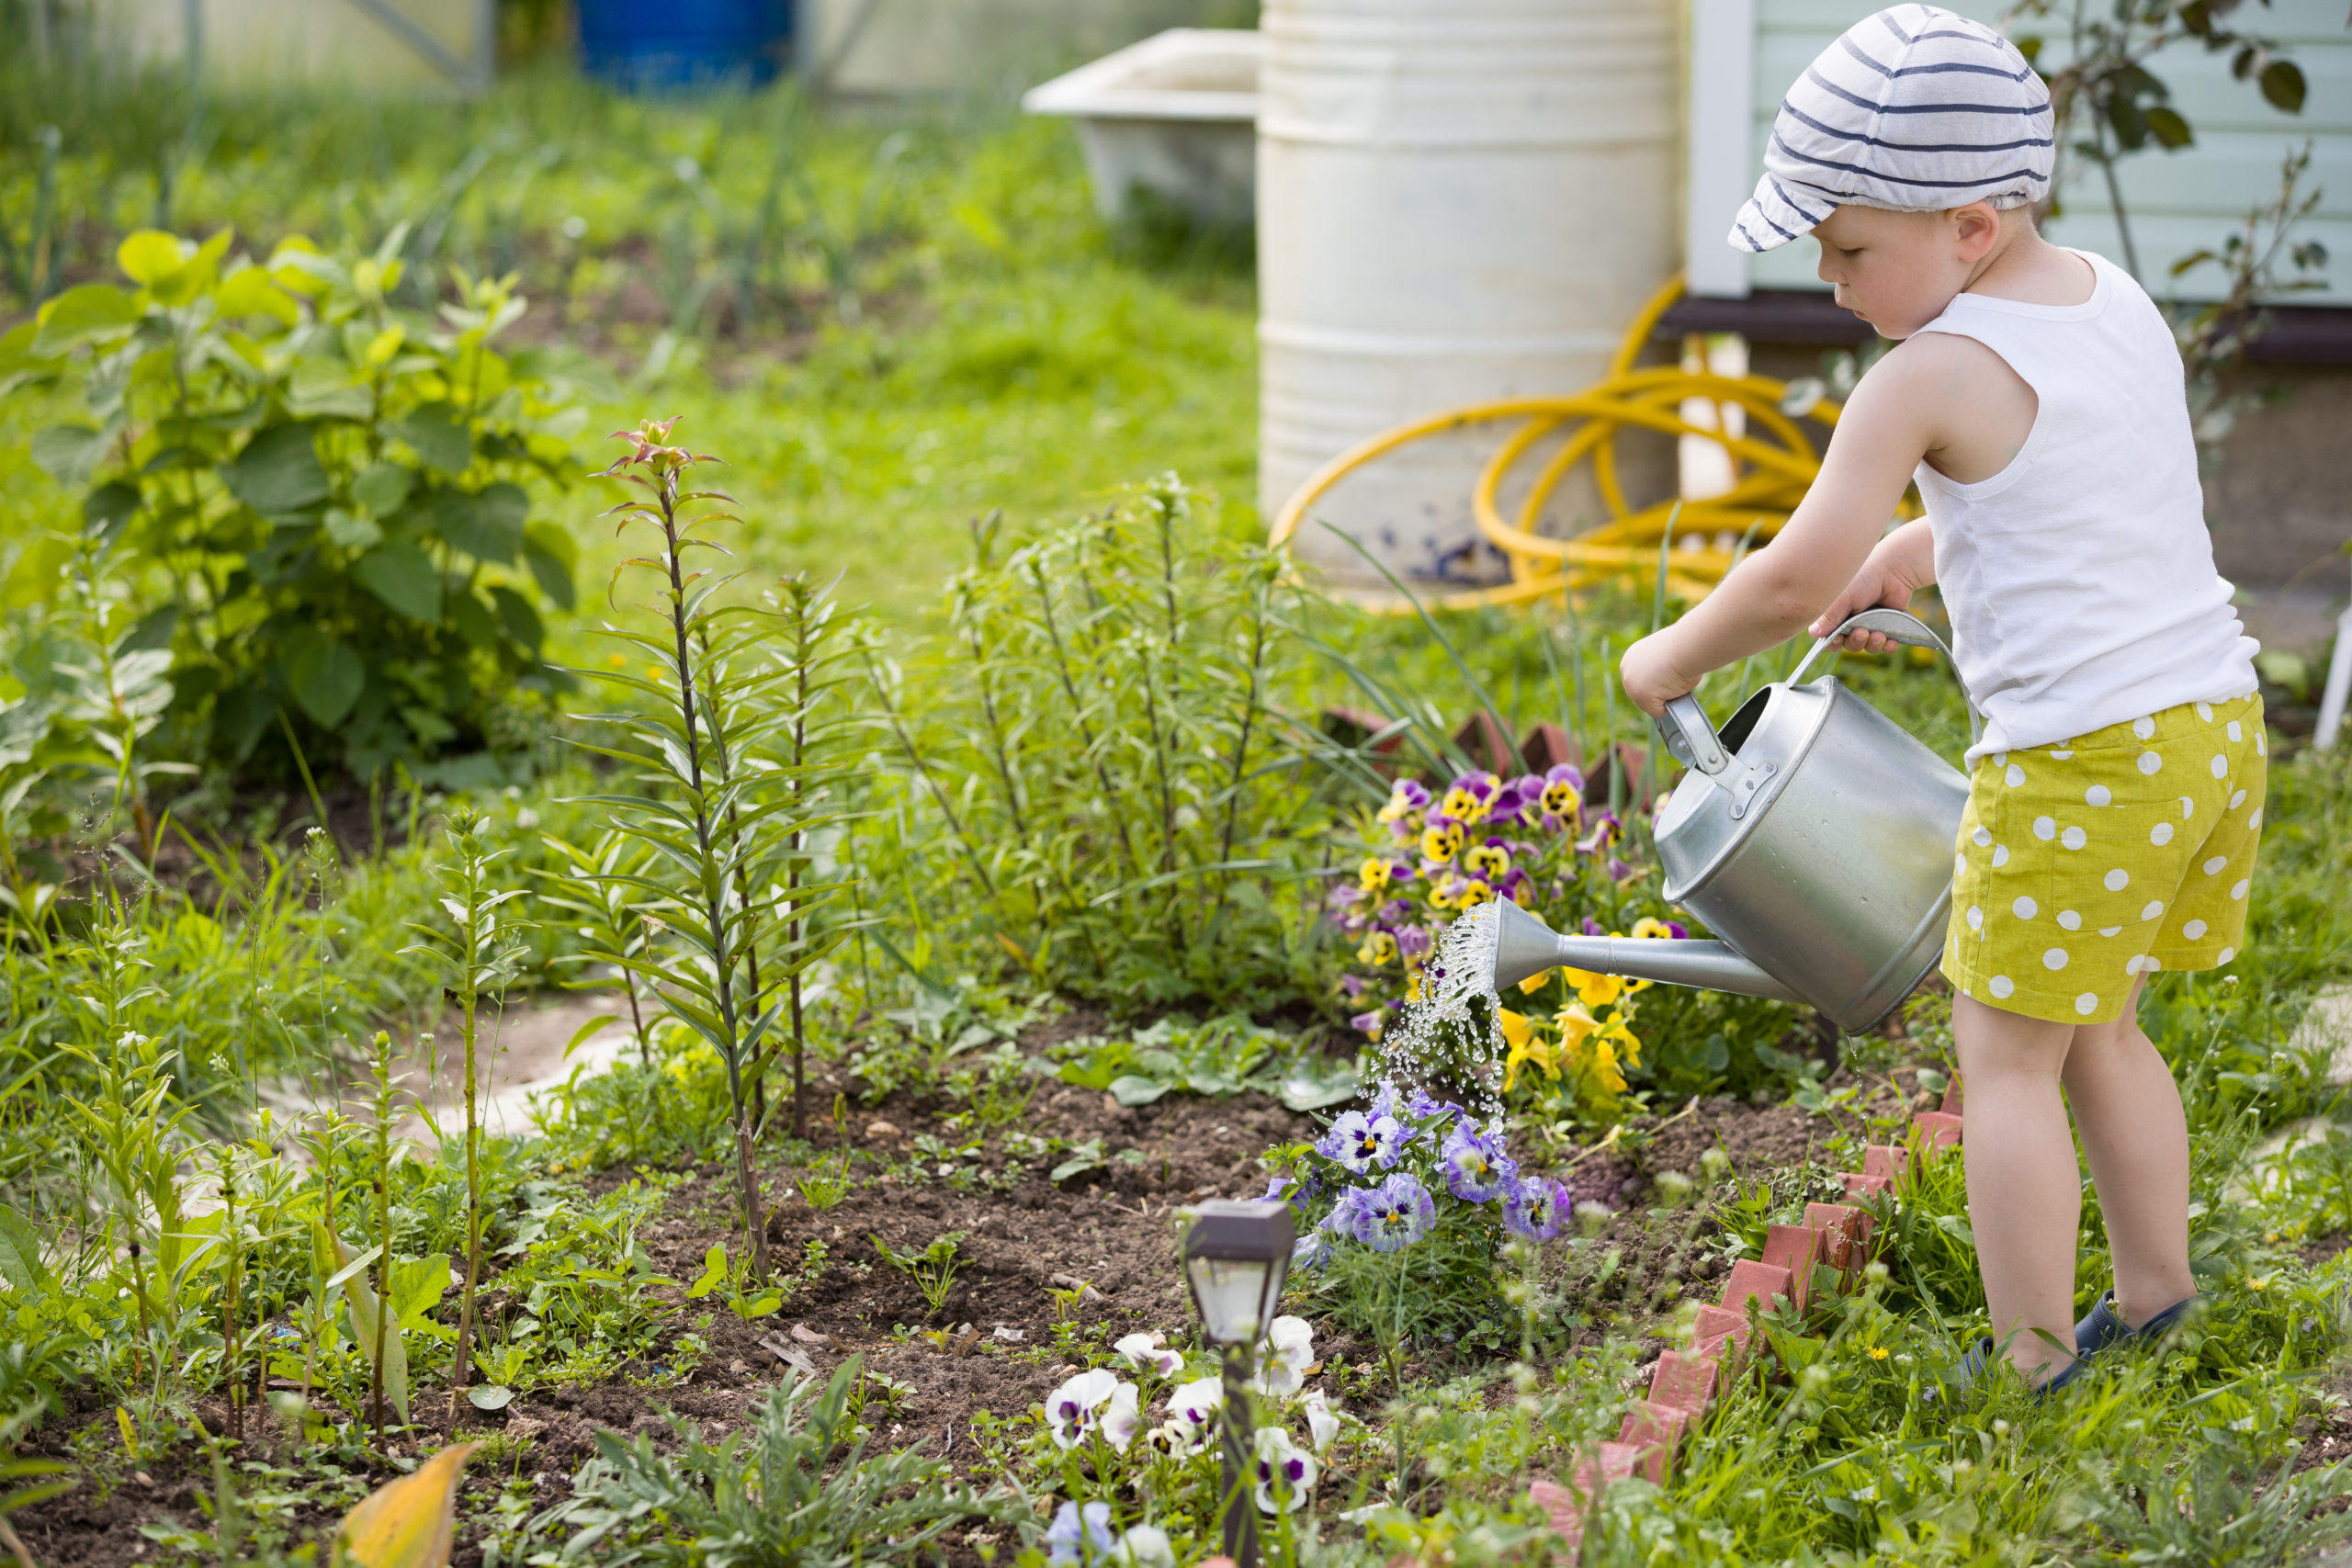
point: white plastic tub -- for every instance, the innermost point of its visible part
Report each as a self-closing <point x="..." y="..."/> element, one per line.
<point x="1175" y="115"/>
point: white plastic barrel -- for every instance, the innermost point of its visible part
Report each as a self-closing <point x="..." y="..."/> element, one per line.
<point x="1456" y="202"/>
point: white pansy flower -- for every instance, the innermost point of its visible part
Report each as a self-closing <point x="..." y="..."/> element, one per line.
<point x="1119" y="1417"/>
<point x="1288" y="1351"/>
<point x="1285" y="1466"/>
<point x="1145" y="1353"/>
<point x="1073" y="1410"/>
<point x="1322" y="1421"/>
<point x="1145" y="1546"/>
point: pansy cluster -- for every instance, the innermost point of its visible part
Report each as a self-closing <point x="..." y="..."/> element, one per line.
<point x="1099" y="1411"/>
<point x="1386" y="1177"/>
<point x="1433" y="856"/>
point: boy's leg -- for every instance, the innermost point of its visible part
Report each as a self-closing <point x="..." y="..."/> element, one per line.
<point x="2136" y="1136"/>
<point x="2025" y="1194"/>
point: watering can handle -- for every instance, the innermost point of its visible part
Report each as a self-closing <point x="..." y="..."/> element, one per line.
<point x="1689" y="735"/>
<point x="1896" y="627"/>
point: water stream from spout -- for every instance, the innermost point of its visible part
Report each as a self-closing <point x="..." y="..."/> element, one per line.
<point x="1442" y="1044"/>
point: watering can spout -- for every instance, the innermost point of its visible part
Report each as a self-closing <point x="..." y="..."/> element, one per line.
<point x="1525" y="945"/>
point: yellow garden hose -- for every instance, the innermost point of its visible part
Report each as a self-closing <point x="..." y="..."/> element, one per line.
<point x="1772" y="476"/>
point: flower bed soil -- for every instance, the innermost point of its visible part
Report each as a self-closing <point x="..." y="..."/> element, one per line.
<point x="1108" y="1233"/>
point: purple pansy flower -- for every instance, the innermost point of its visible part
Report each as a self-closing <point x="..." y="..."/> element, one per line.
<point x="1395" y="1214"/>
<point x="1367" y="1024"/>
<point x="1080" y="1533"/>
<point x="1475" y="1167"/>
<point x="1607" y="831"/>
<point x="1361" y="1140"/>
<point x="1536" y="1208"/>
<point x="1414" y="941"/>
<point x="1406" y="797"/>
<point x="1352" y="985"/>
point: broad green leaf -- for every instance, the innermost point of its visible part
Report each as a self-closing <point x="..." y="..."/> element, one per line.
<point x="408" y="1523"/>
<point x="1131" y="1091"/>
<point x="2282" y="85"/>
<point x="70" y="452"/>
<point x="150" y="254"/>
<point x="440" y="436"/>
<point x="35" y="577"/>
<point x="278" y="471"/>
<point x="95" y="309"/>
<point x="552" y="557"/>
<point x="418" y="1285"/>
<point x="490" y="1396"/>
<point x="106" y="509"/>
<point x="521" y="621"/>
<point x="353" y="530"/>
<point x="404" y="577"/>
<point x="474" y="621"/>
<point x="251" y="293"/>
<point x="324" y="676"/>
<point x="1305" y="1090"/>
<point x="487" y="526"/>
<point x="714" y="1274"/>
<point x="359" y="1298"/>
<point x="20" y="1259"/>
<point x="381" y="487"/>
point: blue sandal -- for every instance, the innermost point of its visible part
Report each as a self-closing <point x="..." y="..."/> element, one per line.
<point x="2105" y="1328"/>
<point x="1983" y="1355"/>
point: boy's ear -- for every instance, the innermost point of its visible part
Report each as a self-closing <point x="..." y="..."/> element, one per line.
<point x="1976" y="229"/>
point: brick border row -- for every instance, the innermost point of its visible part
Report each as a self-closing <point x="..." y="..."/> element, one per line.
<point x="1838" y="1237"/>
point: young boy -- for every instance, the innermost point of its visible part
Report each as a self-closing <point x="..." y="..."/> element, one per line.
<point x="2115" y="800"/>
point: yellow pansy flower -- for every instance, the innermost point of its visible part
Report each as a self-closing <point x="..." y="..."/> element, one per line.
<point x="1442" y="843"/>
<point x="1472" y="894"/>
<point x="1536" y="982"/>
<point x="1650" y="928"/>
<point x="1594" y="990"/>
<point x="1487" y="861"/>
<point x="1442" y="893"/>
<point x="1562" y="801"/>
<point x="1527" y="1043"/>
<point x="1378" y="948"/>
<point x="1464" y="806"/>
<point x="1375" y="873"/>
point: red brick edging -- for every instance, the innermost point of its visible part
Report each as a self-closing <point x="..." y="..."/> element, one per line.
<point x="1682" y="1384"/>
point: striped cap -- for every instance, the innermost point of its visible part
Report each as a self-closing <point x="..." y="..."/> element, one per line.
<point x="1915" y="109"/>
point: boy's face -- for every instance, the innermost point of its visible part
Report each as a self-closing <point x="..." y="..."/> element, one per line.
<point x="1898" y="270"/>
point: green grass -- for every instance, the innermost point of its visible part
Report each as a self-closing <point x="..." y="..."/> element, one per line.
<point x="939" y="325"/>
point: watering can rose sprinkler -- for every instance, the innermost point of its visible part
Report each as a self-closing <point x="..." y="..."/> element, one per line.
<point x="1813" y="835"/>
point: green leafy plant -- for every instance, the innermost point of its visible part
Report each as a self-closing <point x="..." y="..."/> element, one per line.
<point x="727" y="817"/>
<point x="717" y="1275"/>
<point x="798" y="1488"/>
<point x="315" y="501"/>
<point x="1094" y="759"/>
<point x="479" y="954"/>
<point x="933" y="1270"/>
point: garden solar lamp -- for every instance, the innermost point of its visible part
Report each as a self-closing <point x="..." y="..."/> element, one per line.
<point x="1236" y="1257"/>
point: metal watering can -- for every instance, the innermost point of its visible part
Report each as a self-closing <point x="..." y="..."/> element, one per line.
<point x="1811" y="834"/>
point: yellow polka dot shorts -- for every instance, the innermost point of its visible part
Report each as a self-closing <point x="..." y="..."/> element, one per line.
<point x="2121" y="853"/>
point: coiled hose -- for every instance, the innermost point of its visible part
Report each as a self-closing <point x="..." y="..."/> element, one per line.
<point x="1772" y="476"/>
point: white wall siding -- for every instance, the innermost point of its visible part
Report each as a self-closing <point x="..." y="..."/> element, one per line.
<point x="2178" y="202"/>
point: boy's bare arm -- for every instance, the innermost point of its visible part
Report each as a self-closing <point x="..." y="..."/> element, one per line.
<point x="1830" y="558"/>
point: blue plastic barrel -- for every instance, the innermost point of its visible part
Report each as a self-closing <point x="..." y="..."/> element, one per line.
<point x="653" y="44"/>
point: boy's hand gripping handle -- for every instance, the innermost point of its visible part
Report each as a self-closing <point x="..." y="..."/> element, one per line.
<point x="1895" y="625"/>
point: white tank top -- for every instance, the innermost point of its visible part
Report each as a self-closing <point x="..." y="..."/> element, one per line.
<point x="2080" y="579"/>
